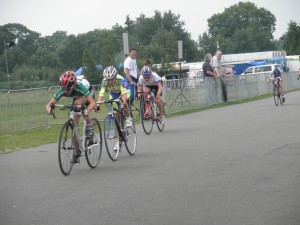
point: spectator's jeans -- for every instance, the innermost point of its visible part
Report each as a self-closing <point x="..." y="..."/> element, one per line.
<point x="224" y="90"/>
<point x="210" y="85"/>
<point x="131" y="87"/>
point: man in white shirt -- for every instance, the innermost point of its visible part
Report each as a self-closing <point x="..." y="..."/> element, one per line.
<point x="131" y="71"/>
<point x="217" y="66"/>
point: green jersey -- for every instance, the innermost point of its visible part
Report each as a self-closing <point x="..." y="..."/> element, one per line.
<point x="80" y="90"/>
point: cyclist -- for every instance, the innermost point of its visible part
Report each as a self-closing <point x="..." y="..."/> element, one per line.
<point x="70" y="87"/>
<point x="151" y="81"/>
<point x="116" y="86"/>
<point x="277" y="73"/>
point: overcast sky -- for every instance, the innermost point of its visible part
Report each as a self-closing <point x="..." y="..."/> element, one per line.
<point x="81" y="16"/>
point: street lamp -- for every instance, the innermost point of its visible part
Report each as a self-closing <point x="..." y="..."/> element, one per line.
<point x="8" y="83"/>
<point x="9" y="44"/>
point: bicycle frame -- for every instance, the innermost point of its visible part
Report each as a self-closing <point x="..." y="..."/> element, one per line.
<point x="120" y="125"/>
<point x="111" y="112"/>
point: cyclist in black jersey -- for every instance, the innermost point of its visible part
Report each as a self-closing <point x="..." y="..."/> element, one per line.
<point x="277" y="73"/>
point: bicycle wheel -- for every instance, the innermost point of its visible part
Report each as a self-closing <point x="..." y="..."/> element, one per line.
<point x="66" y="148"/>
<point x="94" y="146"/>
<point x="146" y="114"/>
<point x="159" y="123"/>
<point x="130" y="139"/>
<point x="275" y="95"/>
<point x="111" y="137"/>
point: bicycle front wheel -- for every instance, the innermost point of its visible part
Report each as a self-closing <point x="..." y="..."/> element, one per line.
<point x="66" y="148"/>
<point x="111" y="137"/>
<point x="146" y="114"/>
<point x="130" y="137"/>
<point x="276" y="95"/>
<point x="94" y="146"/>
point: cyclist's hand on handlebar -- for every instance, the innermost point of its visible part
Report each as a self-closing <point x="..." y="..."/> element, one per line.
<point x="51" y="110"/>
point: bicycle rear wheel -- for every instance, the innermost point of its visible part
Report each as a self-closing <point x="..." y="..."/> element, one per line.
<point x="130" y="137"/>
<point x="111" y="137"/>
<point x="94" y="146"/>
<point x="66" y="148"/>
<point x="146" y="114"/>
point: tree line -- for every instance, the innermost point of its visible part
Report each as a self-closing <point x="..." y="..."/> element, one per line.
<point x="32" y="60"/>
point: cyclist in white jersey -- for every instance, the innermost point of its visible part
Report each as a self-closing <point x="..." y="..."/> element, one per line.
<point x="151" y="81"/>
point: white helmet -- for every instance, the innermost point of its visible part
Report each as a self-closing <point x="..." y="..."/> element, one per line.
<point x="109" y="72"/>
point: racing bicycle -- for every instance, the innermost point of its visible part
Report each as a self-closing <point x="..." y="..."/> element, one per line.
<point x="116" y="134"/>
<point x="72" y="145"/>
<point x="276" y="91"/>
<point x="149" y="112"/>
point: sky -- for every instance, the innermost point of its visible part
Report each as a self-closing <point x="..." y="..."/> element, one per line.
<point x="82" y="16"/>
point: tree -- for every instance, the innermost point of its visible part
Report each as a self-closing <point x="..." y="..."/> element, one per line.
<point x="70" y="53"/>
<point x="291" y="39"/>
<point x="240" y="28"/>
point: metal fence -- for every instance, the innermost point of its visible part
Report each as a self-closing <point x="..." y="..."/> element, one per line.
<point x="25" y="109"/>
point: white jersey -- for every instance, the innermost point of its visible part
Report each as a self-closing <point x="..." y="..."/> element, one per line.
<point x="130" y="64"/>
<point x="154" y="79"/>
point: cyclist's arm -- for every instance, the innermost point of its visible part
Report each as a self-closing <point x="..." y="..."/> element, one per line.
<point x="92" y="104"/>
<point x="159" y="91"/>
<point x="140" y="89"/>
<point x="100" y="97"/>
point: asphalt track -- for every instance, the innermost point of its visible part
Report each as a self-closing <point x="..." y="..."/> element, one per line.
<point x="235" y="165"/>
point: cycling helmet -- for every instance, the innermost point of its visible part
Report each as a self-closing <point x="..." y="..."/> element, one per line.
<point x="146" y="72"/>
<point x="109" y="72"/>
<point x="68" y="81"/>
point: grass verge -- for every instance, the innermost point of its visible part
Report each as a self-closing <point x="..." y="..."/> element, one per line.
<point x="36" y="137"/>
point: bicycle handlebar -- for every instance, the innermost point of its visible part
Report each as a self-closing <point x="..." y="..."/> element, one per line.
<point x="108" y="101"/>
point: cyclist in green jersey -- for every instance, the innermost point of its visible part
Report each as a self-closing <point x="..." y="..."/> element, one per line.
<point x="69" y="87"/>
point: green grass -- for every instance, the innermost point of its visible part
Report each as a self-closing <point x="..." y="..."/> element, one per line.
<point x="37" y="137"/>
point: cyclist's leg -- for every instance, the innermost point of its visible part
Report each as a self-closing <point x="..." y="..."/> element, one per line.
<point x="114" y="96"/>
<point x="281" y="86"/>
<point x="127" y="109"/>
<point x="158" y="101"/>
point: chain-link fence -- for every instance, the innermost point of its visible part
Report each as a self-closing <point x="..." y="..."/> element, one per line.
<point x="25" y="109"/>
<point x="193" y="93"/>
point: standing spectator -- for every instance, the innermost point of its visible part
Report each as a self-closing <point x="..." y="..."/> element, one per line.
<point x="209" y="80"/>
<point x="217" y="66"/>
<point x="131" y="71"/>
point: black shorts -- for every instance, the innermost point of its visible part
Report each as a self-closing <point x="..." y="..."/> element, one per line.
<point x="154" y="89"/>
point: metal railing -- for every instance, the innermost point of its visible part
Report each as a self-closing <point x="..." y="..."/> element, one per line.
<point x="25" y="109"/>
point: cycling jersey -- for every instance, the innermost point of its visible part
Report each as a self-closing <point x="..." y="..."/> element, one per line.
<point x="118" y="88"/>
<point x="154" y="79"/>
<point x="276" y="72"/>
<point x="79" y="90"/>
